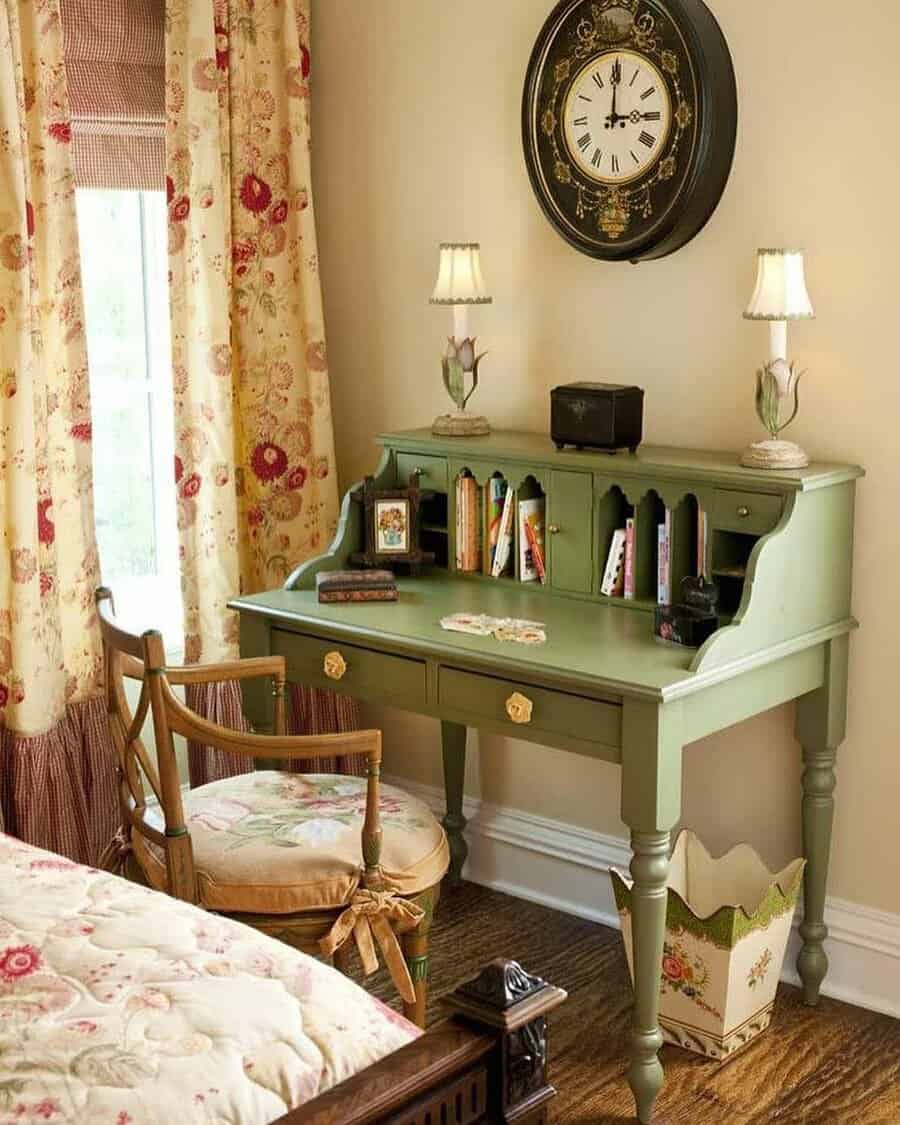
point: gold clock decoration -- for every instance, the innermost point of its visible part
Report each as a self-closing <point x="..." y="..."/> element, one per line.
<point x="629" y="123"/>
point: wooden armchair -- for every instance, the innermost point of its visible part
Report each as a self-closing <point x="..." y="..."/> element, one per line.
<point x="275" y="850"/>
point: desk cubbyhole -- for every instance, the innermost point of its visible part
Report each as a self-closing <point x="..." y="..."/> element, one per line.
<point x="434" y="513"/>
<point x="494" y="521"/>
<point x="650" y="514"/>
<point x="529" y="539"/>
<point x="684" y="551"/>
<point x="435" y="528"/>
<point x="495" y="490"/>
<point x="613" y="513"/>
<point x="731" y="551"/>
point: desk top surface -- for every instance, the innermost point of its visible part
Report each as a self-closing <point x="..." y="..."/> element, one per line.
<point x="600" y="646"/>
<point x="701" y="466"/>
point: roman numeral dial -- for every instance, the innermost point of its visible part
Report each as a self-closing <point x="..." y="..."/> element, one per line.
<point x="617" y="117"/>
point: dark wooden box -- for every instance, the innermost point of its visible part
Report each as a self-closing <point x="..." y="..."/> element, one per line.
<point x="681" y="625"/>
<point x="597" y="415"/>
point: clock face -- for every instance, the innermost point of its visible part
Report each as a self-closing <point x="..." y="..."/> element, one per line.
<point x="617" y="117"/>
<point x="629" y="123"/>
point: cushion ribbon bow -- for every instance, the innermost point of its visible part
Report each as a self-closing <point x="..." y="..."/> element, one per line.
<point x="373" y="912"/>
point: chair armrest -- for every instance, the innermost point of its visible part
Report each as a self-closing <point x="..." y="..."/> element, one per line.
<point x="247" y="669"/>
<point x="189" y="674"/>
<point x="282" y="747"/>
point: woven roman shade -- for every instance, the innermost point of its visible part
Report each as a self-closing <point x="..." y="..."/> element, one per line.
<point x="115" y="66"/>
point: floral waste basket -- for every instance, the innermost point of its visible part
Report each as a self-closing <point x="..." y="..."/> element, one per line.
<point x="728" y="922"/>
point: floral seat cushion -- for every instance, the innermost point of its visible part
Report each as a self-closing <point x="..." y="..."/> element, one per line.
<point x="279" y="843"/>
<point x="121" y="1006"/>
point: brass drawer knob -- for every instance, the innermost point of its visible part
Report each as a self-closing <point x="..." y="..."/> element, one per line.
<point x="335" y="666"/>
<point x="744" y="512"/>
<point x="519" y="708"/>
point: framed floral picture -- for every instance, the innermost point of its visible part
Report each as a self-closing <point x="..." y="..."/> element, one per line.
<point x="392" y="522"/>
<point x="391" y="525"/>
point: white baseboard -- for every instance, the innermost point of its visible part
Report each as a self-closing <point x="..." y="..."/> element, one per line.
<point x="564" y="867"/>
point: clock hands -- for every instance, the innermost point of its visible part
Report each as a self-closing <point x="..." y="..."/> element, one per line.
<point x="616" y="78"/>
<point x="615" y="118"/>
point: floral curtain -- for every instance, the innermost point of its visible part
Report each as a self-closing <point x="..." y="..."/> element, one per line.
<point x="57" y="766"/>
<point x="257" y="489"/>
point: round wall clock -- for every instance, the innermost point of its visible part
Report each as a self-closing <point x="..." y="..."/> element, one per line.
<point x="629" y="123"/>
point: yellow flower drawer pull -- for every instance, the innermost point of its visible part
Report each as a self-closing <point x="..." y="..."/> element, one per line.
<point x="519" y="708"/>
<point x="335" y="666"/>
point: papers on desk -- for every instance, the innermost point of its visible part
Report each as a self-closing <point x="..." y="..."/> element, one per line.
<point x="500" y="628"/>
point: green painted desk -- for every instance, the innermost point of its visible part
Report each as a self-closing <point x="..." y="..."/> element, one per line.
<point x="780" y="545"/>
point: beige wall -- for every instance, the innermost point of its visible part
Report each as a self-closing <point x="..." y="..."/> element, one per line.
<point x="416" y="138"/>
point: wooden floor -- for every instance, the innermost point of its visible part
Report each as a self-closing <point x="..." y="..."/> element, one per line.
<point x="835" y="1065"/>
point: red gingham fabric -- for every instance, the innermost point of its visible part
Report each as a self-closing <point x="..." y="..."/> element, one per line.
<point x="311" y="712"/>
<point x="325" y="712"/>
<point x="58" y="790"/>
<point x="219" y="703"/>
<point x="115" y="67"/>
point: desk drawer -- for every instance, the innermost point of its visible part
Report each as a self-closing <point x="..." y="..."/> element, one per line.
<point x="434" y="471"/>
<point x="553" y="712"/>
<point x="354" y="671"/>
<point x="752" y="512"/>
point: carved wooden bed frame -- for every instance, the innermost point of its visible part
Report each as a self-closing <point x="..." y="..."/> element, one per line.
<point x="485" y="1065"/>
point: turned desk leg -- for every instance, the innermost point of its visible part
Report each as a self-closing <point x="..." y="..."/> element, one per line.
<point x="821" y="726"/>
<point x="453" y="740"/>
<point x="818" y="815"/>
<point x="651" y="806"/>
<point x="649" y="869"/>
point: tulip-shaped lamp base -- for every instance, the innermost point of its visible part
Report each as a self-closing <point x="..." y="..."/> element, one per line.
<point x="774" y="454"/>
<point x="777" y="396"/>
<point x="460" y="368"/>
<point x="461" y="424"/>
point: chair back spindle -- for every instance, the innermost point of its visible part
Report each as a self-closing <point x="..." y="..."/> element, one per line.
<point x="373" y="876"/>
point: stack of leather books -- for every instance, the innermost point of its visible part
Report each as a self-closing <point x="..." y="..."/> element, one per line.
<point x="357" y="586"/>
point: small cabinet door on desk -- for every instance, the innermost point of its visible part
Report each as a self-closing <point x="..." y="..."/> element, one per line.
<point x="570" y="531"/>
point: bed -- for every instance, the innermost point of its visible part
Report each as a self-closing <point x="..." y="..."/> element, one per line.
<point x="122" y="1006"/>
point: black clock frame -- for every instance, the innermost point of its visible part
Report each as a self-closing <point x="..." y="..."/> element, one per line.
<point x="716" y="132"/>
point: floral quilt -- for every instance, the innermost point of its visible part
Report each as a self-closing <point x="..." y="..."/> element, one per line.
<point x="121" y="1006"/>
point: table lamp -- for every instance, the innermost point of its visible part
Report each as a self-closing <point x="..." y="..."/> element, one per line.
<point x="780" y="296"/>
<point x="461" y="285"/>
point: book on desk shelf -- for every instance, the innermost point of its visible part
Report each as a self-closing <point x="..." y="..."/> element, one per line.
<point x="664" y="560"/>
<point x="702" y="542"/>
<point x="613" y="585"/>
<point x="494" y="499"/>
<point x="628" y="592"/>
<point x="531" y="540"/>
<point x="468" y="525"/>
<point x="503" y="553"/>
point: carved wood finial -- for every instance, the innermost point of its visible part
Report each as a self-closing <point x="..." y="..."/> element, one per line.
<point x="501" y="984"/>
<point x="504" y="996"/>
<point x="514" y="1004"/>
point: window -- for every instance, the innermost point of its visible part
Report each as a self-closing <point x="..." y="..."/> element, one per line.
<point x="123" y="237"/>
